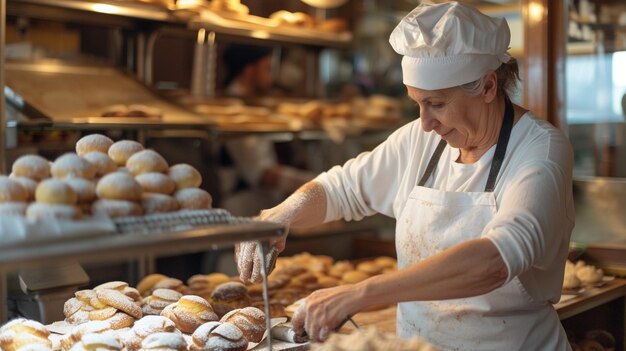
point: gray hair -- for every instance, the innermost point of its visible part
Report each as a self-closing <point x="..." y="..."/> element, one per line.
<point x="507" y="75"/>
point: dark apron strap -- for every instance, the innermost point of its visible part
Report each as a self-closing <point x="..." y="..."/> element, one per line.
<point x="498" y="158"/>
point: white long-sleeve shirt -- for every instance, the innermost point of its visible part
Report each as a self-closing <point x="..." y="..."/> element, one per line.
<point x="533" y="192"/>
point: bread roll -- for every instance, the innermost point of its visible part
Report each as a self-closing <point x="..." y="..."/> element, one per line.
<point x="153" y="182"/>
<point x="146" y="326"/>
<point x="193" y="199"/>
<point x="217" y="336"/>
<point x="36" y="211"/>
<point x="250" y="320"/>
<point x="93" y="142"/>
<point x="98" y="342"/>
<point x="189" y="313"/>
<point x="21" y="332"/>
<point x="116" y="208"/>
<point x="119" y="186"/>
<point x="28" y="184"/>
<point x="12" y="209"/>
<point x="122" y="150"/>
<point x="353" y="277"/>
<point x="85" y="189"/>
<point x="121" y="320"/>
<point x="102" y="162"/>
<point x="369" y="267"/>
<point x="146" y="161"/>
<point x="229" y="296"/>
<point x="12" y="191"/>
<point x="72" y="165"/>
<point x="145" y="285"/>
<point x="164" y="342"/>
<point x="77" y="333"/>
<point x="170" y="283"/>
<point x="590" y="275"/>
<point x="31" y="166"/>
<point x="55" y="191"/>
<point x="340" y="268"/>
<point x="120" y="301"/>
<point x="386" y="262"/>
<point x="160" y="298"/>
<point x="185" y="176"/>
<point x="123" y="288"/>
<point x="570" y="281"/>
<point x="158" y="203"/>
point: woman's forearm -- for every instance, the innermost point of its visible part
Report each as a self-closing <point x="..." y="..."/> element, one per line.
<point x="304" y="208"/>
<point x="468" y="269"/>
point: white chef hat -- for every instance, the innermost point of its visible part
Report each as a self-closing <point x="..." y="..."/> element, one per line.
<point x="449" y="44"/>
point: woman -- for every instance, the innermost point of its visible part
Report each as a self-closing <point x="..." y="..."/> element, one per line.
<point x="480" y="188"/>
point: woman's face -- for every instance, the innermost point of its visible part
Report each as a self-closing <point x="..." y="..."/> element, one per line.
<point x="460" y="119"/>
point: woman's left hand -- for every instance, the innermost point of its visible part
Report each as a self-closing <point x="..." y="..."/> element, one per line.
<point x="325" y="310"/>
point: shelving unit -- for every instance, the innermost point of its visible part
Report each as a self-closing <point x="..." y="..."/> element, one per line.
<point x="193" y="235"/>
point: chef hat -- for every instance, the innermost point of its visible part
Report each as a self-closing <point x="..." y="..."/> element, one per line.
<point x="448" y="45"/>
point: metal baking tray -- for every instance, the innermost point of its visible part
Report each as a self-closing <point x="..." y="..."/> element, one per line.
<point x="71" y="94"/>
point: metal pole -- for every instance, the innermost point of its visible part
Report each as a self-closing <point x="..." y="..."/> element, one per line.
<point x="3" y="119"/>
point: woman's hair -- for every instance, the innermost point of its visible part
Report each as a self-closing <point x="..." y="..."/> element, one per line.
<point x="507" y="74"/>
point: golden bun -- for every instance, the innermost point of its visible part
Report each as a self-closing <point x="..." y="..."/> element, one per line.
<point x="122" y="150"/>
<point x="190" y="312"/>
<point x="250" y="320"/>
<point x="193" y="199"/>
<point x="72" y="165"/>
<point x="153" y="182"/>
<point x="93" y="143"/>
<point x="185" y="176"/>
<point x="31" y="166"/>
<point x="12" y="191"/>
<point x="119" y="186"/>
<point x="146" y="161"/>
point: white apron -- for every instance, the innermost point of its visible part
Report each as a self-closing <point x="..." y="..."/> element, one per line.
<point x="504" y="319"/>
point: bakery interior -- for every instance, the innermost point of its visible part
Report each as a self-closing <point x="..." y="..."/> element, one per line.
<point x="153" y="74"/>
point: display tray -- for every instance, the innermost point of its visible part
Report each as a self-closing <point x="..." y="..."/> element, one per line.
<point x="61" y="93"/>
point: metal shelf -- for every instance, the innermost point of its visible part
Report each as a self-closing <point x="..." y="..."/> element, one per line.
<point x="284" y="34"/>
<point x="128" y="9"/>
<point x="118" y="246"/>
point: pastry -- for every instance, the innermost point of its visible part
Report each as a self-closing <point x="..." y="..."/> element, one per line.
<point x="158" y="203"/>
<point x="215" y="336"/>
<point x="119" y="186"/>
<point x="340" y="268"/>
<point x="122" y="150"/>
<point x="164" y="342"/>
<point x="120" y="320"/>
<point x="145" y="285"/>
<point x="84" y="189"/>
<point x="72" y="165"/>
<point x="21" y="332"/>
<point x="146" y="326"/>
<point x="189" y="313"/>
<point x="76" y="334"/>
<point x="276" y="310"/>
<point x="352" y="277"/>
<point x="98" y="342"/>
<point x="229" y="296"/>
<point x="369" y="267"/>
<point x="138" y="110"/>
<point x="102" y="162"/>
<point x="153" y="182"/>
<point x="146" y="161"/>
<point x="160" y="298"/>
<point x="570" y="281"/>
<point x="93" y="142"/>
<point x="123" y="288"/>
<point x="589" y="275"/>
<point x="55" y="191"/>
<point x="36" y="211"/>
<point x="170" y="283"/>
<point x="12" y="191"/>
<point x="386" y="262"/>
<point x="116" y="208"/>
<point x="34" y="167"/>
<point x="185" y="176"/>
<point x="193" y="199"/>
<point x="120" y="301"/>
<point x="28" y="184"/>
<point x="250" y="320"/>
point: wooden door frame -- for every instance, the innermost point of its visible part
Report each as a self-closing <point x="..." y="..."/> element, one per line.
<point x="545" y="36"/>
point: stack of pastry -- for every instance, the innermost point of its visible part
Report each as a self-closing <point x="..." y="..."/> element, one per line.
<point x="102" y="177"/>
<point x="580" y="274"/>
<point x="20" y="334"/>
<point x="159" y="300"/>
<point x="112" y="306"/>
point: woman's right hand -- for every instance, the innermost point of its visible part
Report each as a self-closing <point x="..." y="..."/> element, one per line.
<point x="248" y="261"/>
